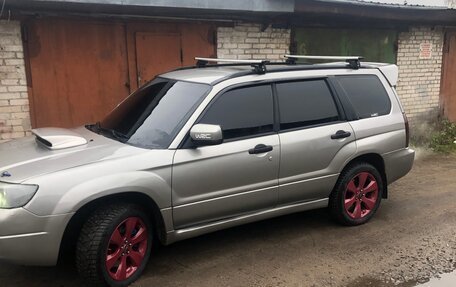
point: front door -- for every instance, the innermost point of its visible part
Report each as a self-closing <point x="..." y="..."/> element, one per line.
<point x="217" y="182"/>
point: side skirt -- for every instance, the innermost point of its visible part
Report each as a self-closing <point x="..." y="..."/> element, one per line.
<point x="181" y="234"/>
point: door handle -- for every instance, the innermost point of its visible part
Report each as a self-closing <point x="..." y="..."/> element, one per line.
<point x="260" y="148"/>
<point x="340" y="134"/>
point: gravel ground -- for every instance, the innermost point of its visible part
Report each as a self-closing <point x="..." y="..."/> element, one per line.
<point x="411" y="239"/>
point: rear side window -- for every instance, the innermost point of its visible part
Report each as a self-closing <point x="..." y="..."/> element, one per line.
<point x="242" y="112"/>
<point x="305" y="103"/>
<point x="366" y="94"/>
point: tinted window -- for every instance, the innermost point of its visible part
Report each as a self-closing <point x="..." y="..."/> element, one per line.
<point x="305" y="103"/>
<point x="242" y="112"/>
<point x="153" y="115"/>
<point x="367" y="95"/>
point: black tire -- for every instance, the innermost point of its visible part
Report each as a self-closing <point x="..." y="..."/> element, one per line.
<point x="95" y="237"/>
<point x="337" y="197"/>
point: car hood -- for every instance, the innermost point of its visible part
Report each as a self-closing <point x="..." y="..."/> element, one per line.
<point x="53" y="149"/>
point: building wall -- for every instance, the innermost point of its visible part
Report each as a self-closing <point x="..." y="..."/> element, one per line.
<point x="419" y="79"/>
<point x="418" y="84"/>
<point x="14" y="104"/>
<point x="246" y="41"/>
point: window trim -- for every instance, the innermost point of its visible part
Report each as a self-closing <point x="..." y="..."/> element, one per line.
<point x="343" y="111"/>
<point x="186" y="142"/>
<point x="348" y="102"/>
<point x="333" y="92"/>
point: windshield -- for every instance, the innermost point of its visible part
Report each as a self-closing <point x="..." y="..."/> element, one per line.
<point x="153" y="115"/>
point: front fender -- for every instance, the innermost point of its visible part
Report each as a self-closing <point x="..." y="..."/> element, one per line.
<point x="67" y="190"/>
<point x="150" y="184"/>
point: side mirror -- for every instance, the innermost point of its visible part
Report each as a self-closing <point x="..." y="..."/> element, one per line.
<point x="203" y="134"/>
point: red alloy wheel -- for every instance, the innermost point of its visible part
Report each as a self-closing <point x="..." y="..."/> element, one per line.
<point x="361" y="195"/>
<point x="126" y="248"/>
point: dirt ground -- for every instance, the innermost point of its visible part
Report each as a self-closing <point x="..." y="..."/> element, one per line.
<point x="412" y="238"/>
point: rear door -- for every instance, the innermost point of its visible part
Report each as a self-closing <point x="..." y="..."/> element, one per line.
<point x="315" y="140"/>
<point x="221" y="181"/>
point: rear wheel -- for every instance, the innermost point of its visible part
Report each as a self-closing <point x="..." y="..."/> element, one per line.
<point x="357" y="194"/>
<point x="114" y="245"/>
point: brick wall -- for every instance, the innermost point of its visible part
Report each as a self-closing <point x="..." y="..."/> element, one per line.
<point x="419" y="79"/>
<point x="247" y="41"/>
<point x="14" y="104"/>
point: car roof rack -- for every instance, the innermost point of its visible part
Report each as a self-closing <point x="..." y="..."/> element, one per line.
<point x="259" y="66"/>
<point x="353" y="61"/>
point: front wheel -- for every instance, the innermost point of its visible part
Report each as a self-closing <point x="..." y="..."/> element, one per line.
<point x="357" y="194"/>
<point x="114" y="245"/>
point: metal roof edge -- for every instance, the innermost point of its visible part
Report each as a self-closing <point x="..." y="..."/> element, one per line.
<point x="374" y="3"/>
<point x="258" y="6"/>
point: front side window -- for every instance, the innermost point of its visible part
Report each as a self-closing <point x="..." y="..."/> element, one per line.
<point x="242" y="112"/>
<point x="153" y="115"/>
<point x="366" y="94"/>
<point x="305" y="103"/>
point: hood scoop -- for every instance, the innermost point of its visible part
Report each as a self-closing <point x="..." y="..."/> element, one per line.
<point x="58" y="138"/>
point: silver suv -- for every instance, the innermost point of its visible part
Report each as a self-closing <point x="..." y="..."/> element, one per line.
<point x="201" y="149"/>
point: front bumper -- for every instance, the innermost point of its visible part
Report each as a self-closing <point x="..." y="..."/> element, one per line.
<point x="28" y="239"/>
<point x="398" y="163"/>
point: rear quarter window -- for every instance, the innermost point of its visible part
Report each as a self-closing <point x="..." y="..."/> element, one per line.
<point x="366" y="94"/>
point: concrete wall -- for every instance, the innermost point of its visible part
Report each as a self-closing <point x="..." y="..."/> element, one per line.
<point x="419" y="79"/>
<point x="14" y="104"/>
<point x="247" y="41"/>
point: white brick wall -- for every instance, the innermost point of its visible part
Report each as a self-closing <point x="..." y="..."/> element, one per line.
<point x="14" y="104"/>
<point x="247" y="41"/>
<point x="419" y="79"/>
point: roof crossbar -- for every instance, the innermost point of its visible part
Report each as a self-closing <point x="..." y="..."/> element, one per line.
<point x="353" y="61"/>
<point x="259" y="66"/>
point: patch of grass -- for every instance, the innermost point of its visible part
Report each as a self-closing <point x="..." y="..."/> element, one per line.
<point x="444" y="139"/>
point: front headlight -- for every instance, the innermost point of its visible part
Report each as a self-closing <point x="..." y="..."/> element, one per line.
<point x="16" y="195"/>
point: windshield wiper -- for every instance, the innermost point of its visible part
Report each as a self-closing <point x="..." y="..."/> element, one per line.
<point x="113" y="133"/>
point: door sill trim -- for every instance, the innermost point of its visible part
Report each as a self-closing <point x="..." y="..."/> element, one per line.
<point x="181" y="234"/>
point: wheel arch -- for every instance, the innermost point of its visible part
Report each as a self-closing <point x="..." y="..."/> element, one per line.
<point x="377" y="161"/>
<point x="71" y="233"/>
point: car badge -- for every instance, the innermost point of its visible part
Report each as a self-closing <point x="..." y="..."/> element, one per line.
<point x="5" y="174"/>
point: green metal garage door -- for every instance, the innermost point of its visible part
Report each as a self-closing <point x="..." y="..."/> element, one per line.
<point x="374" y="44"/>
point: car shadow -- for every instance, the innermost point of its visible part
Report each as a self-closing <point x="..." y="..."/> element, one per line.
<point x="165" y="259"/>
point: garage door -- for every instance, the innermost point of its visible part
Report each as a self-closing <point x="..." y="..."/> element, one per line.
<point x="79" y="70"/>
<point x="156" y="52"/>
<point x="376" y="45"/>
<point x="158" y="47"/>
<point x="448" y="84"/>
